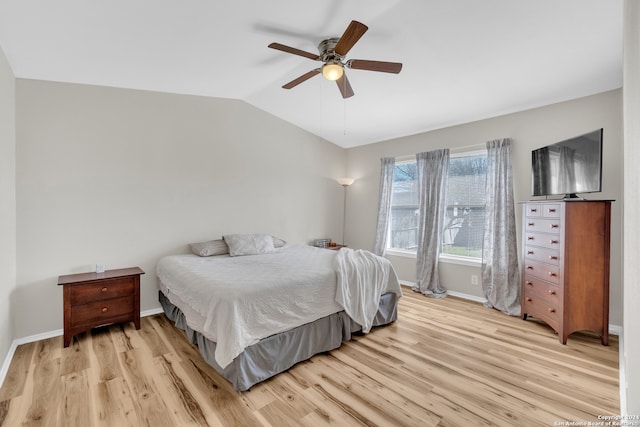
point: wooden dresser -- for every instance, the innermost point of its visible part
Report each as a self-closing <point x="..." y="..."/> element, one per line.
<point x="95" y="299"/>
<point x="565" y="271"/>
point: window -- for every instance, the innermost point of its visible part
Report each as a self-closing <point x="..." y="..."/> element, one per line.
<point x="464" y="217"/>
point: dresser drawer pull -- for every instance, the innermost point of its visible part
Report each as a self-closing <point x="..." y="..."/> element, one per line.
<point x="530" y="224"/>
<point x="530" y="238"/>
<point x="105" y="309"/>
<point x="552" y="274"/>
<point x="533" y="210"/>
<point x="552" y="292"/>
<point x="529" y="252"/>
<point x="555" y="225"/>
<point x="105" y="289"/>
<point x="552" y="310"/>
<point x="552" y="210"/>
<point x="554" y="242"/>
<point x="553" y="257"/>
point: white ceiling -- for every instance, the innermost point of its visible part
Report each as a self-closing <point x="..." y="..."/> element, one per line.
<point x="464" y="60"/>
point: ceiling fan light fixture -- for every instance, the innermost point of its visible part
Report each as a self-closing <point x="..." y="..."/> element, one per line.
<point x="332" y="71"/>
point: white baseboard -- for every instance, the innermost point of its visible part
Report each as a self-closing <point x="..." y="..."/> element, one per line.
<point x="452" y="293"/>
<point x="44" y="336"/>
<point x="613" y="329"/>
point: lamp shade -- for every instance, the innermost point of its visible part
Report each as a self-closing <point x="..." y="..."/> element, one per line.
<point x="345" y="181"/>
<point x="332" y="71"/>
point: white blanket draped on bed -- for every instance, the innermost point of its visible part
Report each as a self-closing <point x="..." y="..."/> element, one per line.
<point x="237" y="301"/>
<point x="361" y="278"/>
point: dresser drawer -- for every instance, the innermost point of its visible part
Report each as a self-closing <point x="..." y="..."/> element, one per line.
<point x="543" y="225"/>
<point x="549" y="256"/>
<point x="551" y="210"/>
<point x="542" y="308"/>
<point x="105" y="289"/>
<point x="535" y="286"/>
<point x="543" y="240"/>
<point x="547" y="272"/>
<point x="533" y="210"/>
<point x="102" y="312"/>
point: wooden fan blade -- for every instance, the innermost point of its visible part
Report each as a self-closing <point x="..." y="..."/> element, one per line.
<point x="351" y="35"/>
<point x="295" y="51"/>
<point x="345" y="86"/>
<point x="302" y="78"/>
<point x="385" y="67"/>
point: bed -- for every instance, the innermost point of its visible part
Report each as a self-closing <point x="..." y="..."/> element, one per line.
<point x="256" y="315"/>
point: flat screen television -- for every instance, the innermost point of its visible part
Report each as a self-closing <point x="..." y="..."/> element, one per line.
<point x="569" y="167"/>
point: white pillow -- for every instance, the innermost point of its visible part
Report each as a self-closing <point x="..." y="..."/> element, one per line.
<point x="210" y="248"/>
<point x="249" y="244"/>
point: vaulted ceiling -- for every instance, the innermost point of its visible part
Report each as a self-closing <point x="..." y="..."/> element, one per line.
<point x="464" y="60"/>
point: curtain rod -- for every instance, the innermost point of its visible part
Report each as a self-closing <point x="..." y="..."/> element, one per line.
<point x="472" y="147"/>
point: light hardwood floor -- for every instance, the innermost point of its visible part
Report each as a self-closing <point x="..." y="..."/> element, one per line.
<point x="445" y="362"/>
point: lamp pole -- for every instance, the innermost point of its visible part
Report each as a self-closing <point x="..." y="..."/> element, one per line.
<point x="345" y="182"/>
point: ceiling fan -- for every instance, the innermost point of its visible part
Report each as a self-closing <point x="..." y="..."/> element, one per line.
<point x="332" y="53"/>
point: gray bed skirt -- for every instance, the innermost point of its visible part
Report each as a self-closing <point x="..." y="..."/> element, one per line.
<point x="280" y="352"/>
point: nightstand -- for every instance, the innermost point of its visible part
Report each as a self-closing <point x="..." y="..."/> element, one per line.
<point x="336" y="247"/>
<point x="95" y="299"/>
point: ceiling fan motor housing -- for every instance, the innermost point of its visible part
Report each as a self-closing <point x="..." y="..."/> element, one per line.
<point x="326" y="49"/>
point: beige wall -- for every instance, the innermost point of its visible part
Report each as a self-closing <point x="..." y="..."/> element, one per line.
<point x="7" y="202"/>
<point x="631" y="351"/>
<point x="123" y="177"/>
<point x="528" y="130"/>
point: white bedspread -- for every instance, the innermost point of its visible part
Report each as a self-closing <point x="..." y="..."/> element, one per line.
<point x="361" y="278"/>
<point x="237" y="301"/>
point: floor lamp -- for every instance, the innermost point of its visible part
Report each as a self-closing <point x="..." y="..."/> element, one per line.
<point x="345" y="182"/>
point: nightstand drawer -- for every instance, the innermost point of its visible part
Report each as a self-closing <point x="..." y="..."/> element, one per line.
<point x="102" y="311"/>
<point x="103" y="290"/>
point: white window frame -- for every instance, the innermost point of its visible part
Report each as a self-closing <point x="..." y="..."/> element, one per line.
<point x="445" y="258"/>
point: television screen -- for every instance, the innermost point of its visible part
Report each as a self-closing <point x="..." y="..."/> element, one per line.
<point x="568" y="167"/>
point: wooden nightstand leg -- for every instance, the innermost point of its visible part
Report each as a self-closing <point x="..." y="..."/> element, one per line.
<point x="67" y="339"/>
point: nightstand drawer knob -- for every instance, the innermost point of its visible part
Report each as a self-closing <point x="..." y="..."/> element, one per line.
<point x="105" y="309"/>
<point x="528" y="299"/>
<point x="529" y="283"/>
<point x="552" y="274"/>
<point x="105" y="289"/>
<point x="552" y="292"/>
<point x="552" y="310"/>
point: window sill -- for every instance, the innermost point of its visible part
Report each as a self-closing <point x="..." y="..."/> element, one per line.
<point x="449" y="259"/>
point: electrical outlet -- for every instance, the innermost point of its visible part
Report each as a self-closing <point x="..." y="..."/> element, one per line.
<point x="474" y="280"/>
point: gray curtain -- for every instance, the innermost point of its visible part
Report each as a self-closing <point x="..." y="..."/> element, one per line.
<point x="387" y="165"/>
<point x="500" y="272"/>
<point x="433" y="170"/>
